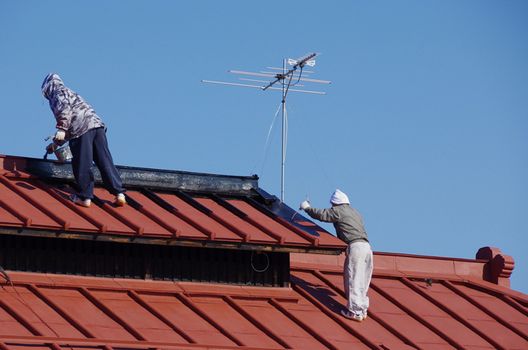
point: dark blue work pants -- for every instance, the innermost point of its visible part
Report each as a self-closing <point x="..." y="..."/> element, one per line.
<point x="91" y="147"/>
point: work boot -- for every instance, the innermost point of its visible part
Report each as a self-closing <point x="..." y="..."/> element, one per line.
<point x="79" y="201"/>
<point x="351" y="316"/>
<point x="120" y="200"/>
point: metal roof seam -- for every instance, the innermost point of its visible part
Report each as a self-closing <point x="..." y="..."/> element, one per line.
<point x="514" y="303"/>
<point x="302" y="324"/>
<point x="26" y="220"/>
<point x="450" y="312"/>
<point x="490" y="313"/>
<point x="55" y="346"/>
<point x="335" y="317"/>
<point x="189" y="303"/>
<point x="246" y="237"/>
<point x="373" y="315"/>
<point x="228" y="206"/>
<point x="280" y="239"/>
<point x="138" y="299"/>
<point x="35" y="290"/>
<point x="192" y="202"/>
<point x="173" y="210"/>
<point x="116" y="214"/>
<point x="416" y="316"/>
<point x="313" y="240"/>
<point x="65" y="224"/>
<point x="75" y="208"/>
<point x="19" y="318"/>
<point x="141" y="208"/>
<point x="106" y="310"/>
<point x="44" y="342"/>
<point x="488" y="286"/>
<point x="231" y="302"/>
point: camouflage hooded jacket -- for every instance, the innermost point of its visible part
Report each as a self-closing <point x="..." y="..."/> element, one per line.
<point x="72" y="113"/>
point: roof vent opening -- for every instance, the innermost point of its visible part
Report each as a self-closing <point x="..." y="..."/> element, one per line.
<point x="144" y="261"/>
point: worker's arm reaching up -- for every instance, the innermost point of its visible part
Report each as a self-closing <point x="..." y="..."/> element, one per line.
<point x="326" y="215"/>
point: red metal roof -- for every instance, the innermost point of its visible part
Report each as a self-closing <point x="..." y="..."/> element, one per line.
<point x="437" y="305"/>
<point x="417" y="302"/>
<point x="32" y="202"/>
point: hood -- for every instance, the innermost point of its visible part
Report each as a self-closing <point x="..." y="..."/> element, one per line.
<point x="51" y="83"/>
<point x="339" y="197"/>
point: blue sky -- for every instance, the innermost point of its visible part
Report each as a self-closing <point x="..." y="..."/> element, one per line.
<point x="424" y="125"/>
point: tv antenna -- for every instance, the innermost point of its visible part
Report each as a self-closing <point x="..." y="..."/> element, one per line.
<point x="283" y="77"/>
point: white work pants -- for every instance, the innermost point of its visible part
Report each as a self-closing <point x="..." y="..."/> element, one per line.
<point x="357" y="275"/>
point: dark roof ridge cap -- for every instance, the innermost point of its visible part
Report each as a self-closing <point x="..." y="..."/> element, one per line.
<point x="161" y="179"/>
<point x="129" y="167"/>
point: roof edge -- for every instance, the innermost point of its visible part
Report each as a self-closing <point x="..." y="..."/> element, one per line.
<point x="160" y="179"/>
<point x="490" y="265"/>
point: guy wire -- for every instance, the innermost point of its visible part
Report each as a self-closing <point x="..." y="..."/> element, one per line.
<point x="266" y="144"/>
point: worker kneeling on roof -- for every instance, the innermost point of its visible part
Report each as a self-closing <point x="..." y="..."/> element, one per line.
<point x="359" y="262"/>
<point x="78" y="123"/>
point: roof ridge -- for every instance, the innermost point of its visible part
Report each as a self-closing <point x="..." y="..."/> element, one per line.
<point x="161" y="179"/>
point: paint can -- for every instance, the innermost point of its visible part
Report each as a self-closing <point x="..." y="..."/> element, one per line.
<point x="62" y="153"/>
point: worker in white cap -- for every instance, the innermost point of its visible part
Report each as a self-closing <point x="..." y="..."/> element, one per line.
<point x="359" y="262"/>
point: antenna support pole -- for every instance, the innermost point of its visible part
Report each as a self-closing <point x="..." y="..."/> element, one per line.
<point x="283" y="160"/>
<point x="285" y="78"/>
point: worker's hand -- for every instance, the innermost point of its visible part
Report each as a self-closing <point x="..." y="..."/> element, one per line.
<point x="50" y="148"/>
<point x="59" y="135"/>
<point x="304" y="205"/>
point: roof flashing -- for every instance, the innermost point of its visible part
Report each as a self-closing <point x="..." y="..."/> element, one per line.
<point x="138" y="177"/>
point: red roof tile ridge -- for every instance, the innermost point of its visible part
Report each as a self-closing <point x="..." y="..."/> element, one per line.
<point x="396" y="264"/>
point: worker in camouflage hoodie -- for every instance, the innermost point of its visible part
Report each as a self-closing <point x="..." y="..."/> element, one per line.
<point x="78" y="123"/>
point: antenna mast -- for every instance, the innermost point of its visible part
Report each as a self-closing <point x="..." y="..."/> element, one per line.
<point x="285" y="78"/>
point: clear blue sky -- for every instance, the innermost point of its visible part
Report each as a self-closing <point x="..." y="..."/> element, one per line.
<point x="425" y="125"/>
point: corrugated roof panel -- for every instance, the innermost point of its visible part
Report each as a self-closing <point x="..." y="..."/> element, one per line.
<point x="9" y="325"/>
<point x="90" y="315"/>
<point x="288" y="331"/>
<point x="104" y="221"/>
<point x="500" y="313"/>
<point x="173" y="223"/>
<point x="138" y="319"/>
<point x="47" y="203"/>
<point x="209" y="225"/>
<point x="325" y="292"/>
<point x="148" y="314"/>
<point x="23" y="207"/>
<point x="289" y="236"/>
<point x="186" y="319"/>
<point x="34" y="194"/>
<point x="496" y="306"/>
<point x="142" y="224"/>
<point x="432" y="314"/>
<point x="254" y="234"/>
<point x="401" y="321"/>
<point x="325" y="331"/>
<point x="234" y="322"/>
<point x="38" y="317"/>
<point x="8" y="219"/>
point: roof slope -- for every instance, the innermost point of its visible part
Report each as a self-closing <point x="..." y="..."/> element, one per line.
<point x="435" y="309"/>
<point x="417" y="302"/>
<point x="175" y="207"/>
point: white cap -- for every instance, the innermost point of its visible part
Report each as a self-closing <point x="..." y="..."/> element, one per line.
<point x="339" y="197"/>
